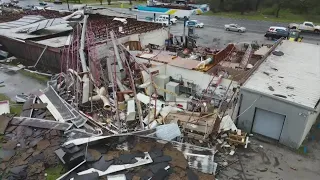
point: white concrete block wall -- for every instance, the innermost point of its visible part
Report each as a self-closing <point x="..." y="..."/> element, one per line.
<point x="197" y="77"/>
<point x="157" y="37"/>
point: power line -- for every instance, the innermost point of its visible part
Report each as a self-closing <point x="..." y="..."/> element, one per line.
<point x="248" y="107"/>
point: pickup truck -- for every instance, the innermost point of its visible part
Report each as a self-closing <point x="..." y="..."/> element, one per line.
<point x="166" y="17"/>
<point x="306" y="26"/>
<point x="164" y="22"/>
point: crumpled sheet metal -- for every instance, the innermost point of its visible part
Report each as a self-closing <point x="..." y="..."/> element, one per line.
<point x="85" y="140"/>
<point x="116" y="168"/>
<point x="198" y="158"/>
<point x="60" y="109"/>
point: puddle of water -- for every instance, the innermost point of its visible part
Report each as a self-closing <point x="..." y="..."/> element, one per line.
<point x="16" y="83"/>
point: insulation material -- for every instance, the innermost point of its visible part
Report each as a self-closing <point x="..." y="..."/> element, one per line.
<point x="227" y="124"/>
<point x="168" y="131"/>
<point x="168" y="109"/>
<point x="151" y="116"/>
<point x="131" y="110"/>
<point x="146" y="99"/>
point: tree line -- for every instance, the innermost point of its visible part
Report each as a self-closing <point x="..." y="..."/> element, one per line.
<point x="270" y="7"/>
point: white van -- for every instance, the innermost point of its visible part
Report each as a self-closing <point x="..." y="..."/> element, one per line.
<point x="173" y="20"/>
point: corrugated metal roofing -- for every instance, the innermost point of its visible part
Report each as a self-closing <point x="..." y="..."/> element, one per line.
<point x="295" y="76"/>
<point x="26" y="20"/>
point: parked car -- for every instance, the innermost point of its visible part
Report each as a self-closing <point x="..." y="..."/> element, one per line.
<point x="42" y="3"/>
<point x="28" y="7"/>
<point x="275" y="32"/>
<point x="173" y="20"/>
<point x="195" y="23"/>
<point x="57" y="2"/>
<point x="234" y="27"/>
<point x="306" y="26"/>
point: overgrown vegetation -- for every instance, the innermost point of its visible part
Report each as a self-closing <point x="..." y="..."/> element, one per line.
<point x="54" y="173"/>
<point x="14" y="108"/>
<point x="274" y="10"/>
<point x="301" y="150"/>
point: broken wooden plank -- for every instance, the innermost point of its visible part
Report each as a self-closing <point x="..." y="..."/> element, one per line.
<point x="40" y="123"/>
<point x="4" y="121"/>
<point x="36" y="106"/>
<point x="27" y="112"/>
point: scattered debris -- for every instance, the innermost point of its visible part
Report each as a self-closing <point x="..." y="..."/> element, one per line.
<point x="270" y="88"/>
<point x="290" y="87"/>
<point x="21" y="98"/>
<point x="279" y="95"/>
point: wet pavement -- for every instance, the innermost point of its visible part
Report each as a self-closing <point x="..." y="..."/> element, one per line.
<point x="219" y="38"/>
<point x="17" y="83"/>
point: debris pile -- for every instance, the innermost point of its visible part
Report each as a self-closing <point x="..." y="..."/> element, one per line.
<point x="27" y="151"/>
<point x="135" y="157"/>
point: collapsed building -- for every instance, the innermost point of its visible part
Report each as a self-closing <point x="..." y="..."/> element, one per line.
<point x="29" y="35"/>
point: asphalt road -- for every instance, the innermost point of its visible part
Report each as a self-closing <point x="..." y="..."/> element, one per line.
<point x="211" y="22"/>
<point x="218" y="22"/>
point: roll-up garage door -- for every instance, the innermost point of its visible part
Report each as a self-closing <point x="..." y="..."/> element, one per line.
<point x="268" y="123"/>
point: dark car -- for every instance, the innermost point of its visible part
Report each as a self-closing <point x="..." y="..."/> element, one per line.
<point x="57" y="1"/>
<point x="277" y="33"/>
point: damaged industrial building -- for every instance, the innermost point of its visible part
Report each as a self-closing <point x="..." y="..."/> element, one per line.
<point x="126" y="99"/>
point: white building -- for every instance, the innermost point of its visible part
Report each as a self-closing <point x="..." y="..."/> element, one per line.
<point x="281" y="98"/>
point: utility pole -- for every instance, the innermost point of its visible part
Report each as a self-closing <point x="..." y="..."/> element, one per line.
<point x="169" y="27"/>
<point x="68" y="5"/>
<point x="184" y="31"/>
